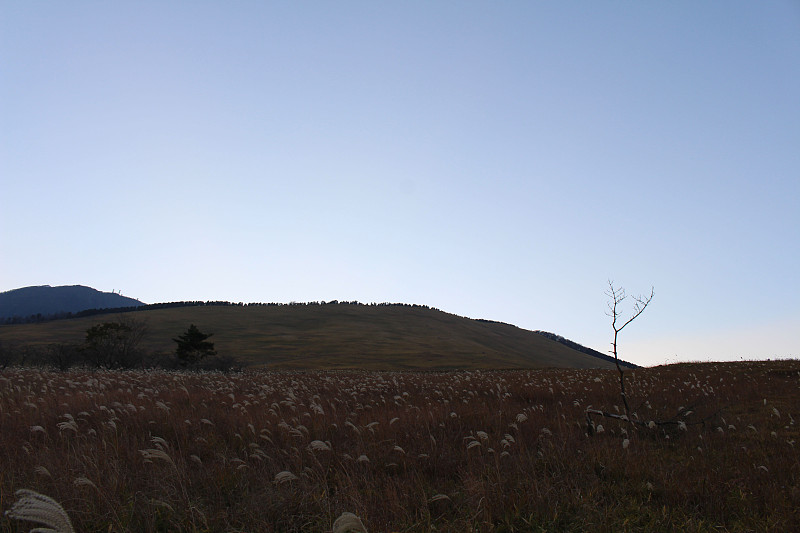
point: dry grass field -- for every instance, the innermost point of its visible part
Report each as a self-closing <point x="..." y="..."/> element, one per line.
<point x="407" y="451"/>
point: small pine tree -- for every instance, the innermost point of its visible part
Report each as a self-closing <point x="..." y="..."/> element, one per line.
<point x="193" y="347"/>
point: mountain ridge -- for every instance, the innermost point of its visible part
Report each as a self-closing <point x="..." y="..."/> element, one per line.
<point x="581" y="348"/>
<point x="45" y="301"/>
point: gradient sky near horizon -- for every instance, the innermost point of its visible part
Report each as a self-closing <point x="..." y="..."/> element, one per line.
<point x="495" y="160"/>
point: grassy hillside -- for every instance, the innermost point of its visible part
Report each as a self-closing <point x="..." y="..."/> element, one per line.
<point x="334" y="336"/>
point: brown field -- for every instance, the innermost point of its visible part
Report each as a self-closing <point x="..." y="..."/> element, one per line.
<point x="406" y="451"/>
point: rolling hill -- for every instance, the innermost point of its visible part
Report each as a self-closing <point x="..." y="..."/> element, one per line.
<point x="333" y="336"/>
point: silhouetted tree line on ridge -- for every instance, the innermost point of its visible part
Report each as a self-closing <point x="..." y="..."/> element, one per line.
<point x="37" y="318"/>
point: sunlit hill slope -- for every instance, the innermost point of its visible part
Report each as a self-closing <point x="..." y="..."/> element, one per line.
<point x="331" y="336"/>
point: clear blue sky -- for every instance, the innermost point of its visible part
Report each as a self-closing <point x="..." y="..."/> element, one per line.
<point x="496" y="160"/>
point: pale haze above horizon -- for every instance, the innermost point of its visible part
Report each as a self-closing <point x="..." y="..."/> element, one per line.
<point x="493" y="160"/>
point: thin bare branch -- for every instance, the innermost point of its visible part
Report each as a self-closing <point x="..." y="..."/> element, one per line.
<point x="638" y="309"/>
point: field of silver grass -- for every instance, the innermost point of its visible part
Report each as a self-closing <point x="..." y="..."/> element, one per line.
<point x="405" y="451"/>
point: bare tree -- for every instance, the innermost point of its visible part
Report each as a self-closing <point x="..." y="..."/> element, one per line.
<point x="61" y="356"/>
<point x="617" y="296"/>
<point x="115" y="344"/>
<point x="618" y="323"/>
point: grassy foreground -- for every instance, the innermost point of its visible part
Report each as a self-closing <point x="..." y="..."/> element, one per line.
<point x="405" y="451"/>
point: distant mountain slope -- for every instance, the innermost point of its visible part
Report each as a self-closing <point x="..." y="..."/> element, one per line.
<point x="49" y="301"/>
<point x="333" y="336"/>
<point x="589" y="351"/>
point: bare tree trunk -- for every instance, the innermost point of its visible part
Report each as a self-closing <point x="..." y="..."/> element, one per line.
<point x="621" y="377"/>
